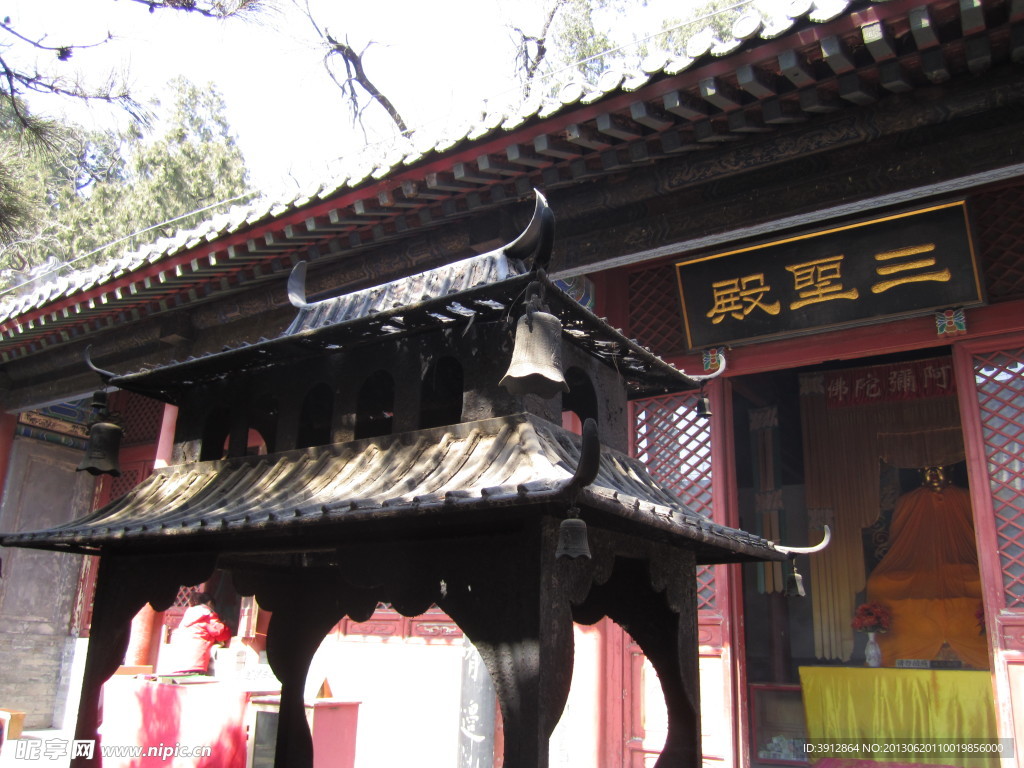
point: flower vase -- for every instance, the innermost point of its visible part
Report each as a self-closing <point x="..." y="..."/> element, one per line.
<point x="872" y="653"/>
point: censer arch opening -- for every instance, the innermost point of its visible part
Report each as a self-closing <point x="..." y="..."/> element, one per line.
<point x="441" y="393"/>
<point x="262" y="425"/>
<point x="581" y="399"/>
<point x="391" y="663"/>
<point x="316" y="416"/>
<point x="375" y="406"/>
<point x="216" y="431"/>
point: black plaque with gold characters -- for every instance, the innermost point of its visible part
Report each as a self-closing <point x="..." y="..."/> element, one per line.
<point x="900" y="265"/>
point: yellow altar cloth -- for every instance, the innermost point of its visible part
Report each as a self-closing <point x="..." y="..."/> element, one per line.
<point x="878" y="704"/>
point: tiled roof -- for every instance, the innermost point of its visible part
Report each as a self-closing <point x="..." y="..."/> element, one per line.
<point x="446" y="281"/>
<point x="484" y="468"/>
<point x="823" y="57"/>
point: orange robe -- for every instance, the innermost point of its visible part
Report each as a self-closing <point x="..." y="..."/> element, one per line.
<point x="929" y="579"/>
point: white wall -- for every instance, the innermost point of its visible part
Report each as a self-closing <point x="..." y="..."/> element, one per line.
<point x="409" y="692"/>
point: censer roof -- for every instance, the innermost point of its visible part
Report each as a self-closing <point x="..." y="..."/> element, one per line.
<point x="479" y="289"/>
<point x="474" y="474"/>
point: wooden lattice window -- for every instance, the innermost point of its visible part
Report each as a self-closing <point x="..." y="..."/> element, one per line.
<point x="184" y="597"/>
<point x="140" y="416"/>
<point x="655" y="314"/>
<point x="1000" y="385"/>
<point x="999" y="223"/>
<point x="131" y="475"/>
<point x="675" y="445"/>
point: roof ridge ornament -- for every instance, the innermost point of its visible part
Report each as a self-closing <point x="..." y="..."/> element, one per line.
<point x="297" y="286"/>
<point x="538" y="237"/>
<point x="536" y="240"/>
<point x="718" y="372"/>
<point x="105" y="376"/>
<point x="590" y="459"/>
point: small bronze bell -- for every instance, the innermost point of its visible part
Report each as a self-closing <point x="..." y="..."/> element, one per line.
<point x="536" y="367"/>
<point x="572" y="539"/>
<point x="795" y="584"/>
<point x="101" y="452"/>
<point x="703" y="406"/>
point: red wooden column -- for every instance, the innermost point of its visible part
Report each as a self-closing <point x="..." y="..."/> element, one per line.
<point x="8" y="422"/>
<point x="165" y="439"/>
<point x="732" y="732"/>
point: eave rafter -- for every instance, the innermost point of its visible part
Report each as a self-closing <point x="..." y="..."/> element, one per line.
<point x="714" y="97"/>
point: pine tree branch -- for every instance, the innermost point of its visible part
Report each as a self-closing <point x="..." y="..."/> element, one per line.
<point x="64" y="52"/>
<point x="211" y="9"/>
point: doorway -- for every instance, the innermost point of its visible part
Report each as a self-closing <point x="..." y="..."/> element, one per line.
<point x="846" y="445"/>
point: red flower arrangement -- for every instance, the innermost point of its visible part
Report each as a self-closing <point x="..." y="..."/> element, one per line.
<point x="871" y="617"/>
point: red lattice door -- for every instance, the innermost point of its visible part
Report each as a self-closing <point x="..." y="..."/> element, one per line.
<point x="675" y="445"/>
<point x="994" y="428"/>
<point x="1000" y="387"/>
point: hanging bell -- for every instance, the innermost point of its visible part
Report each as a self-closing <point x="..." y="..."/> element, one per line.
<point x="572" y="539"/>
<point x="795" y="584"/>
<point x="536" y="367"/>
<point x="703" y="406"/>
<point x="101" y="452"/>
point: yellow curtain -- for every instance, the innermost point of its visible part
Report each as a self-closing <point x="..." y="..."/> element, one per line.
<point x="879" y="705"/>
<point x="842" y="450"/>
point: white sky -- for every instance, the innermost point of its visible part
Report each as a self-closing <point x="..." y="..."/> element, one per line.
<point x="289" y="116"/>
<point x="432" y="58"/>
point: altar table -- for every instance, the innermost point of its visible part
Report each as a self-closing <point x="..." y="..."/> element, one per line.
<point x="884" y="703"/>
<point x="160" y="715"/>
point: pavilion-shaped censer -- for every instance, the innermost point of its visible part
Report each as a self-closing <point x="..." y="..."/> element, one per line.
<point x="416" y="457"/>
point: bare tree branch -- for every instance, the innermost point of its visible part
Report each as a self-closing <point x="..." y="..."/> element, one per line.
<point x="63" y="51"/>
<point x="530" y="61"/>
<point x="355" y="74"/>
<point x="17" y="81"/>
